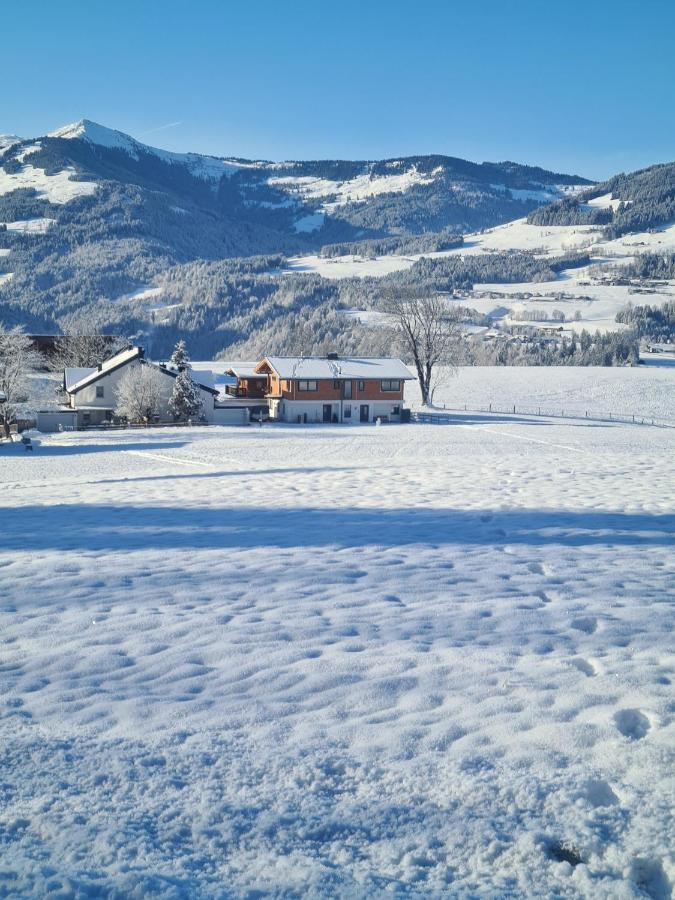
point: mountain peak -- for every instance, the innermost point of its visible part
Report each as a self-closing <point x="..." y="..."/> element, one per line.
<point x="206" y="167"/>
<point x="94" y="133"/>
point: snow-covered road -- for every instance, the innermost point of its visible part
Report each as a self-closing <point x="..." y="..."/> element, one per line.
<point x="339" y="661"/>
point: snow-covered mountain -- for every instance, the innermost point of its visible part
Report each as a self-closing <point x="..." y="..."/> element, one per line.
<point x="107" y="138"/>
<point x="98" y="227"/>
<point x="319" y="200"/>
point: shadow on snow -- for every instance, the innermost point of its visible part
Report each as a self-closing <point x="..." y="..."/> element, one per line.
<point x="121" y="528"/>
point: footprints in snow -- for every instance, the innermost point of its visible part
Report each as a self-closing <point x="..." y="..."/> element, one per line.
<point x="587" y="624"/>
<point x="632" y="724"/>
<point x="583" y="665"/>
<point x="599" y="793"/>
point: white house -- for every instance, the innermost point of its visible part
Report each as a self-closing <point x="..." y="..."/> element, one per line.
<point x="92" y="392"/>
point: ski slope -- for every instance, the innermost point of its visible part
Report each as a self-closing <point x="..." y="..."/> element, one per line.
<point x="339" y="661"/>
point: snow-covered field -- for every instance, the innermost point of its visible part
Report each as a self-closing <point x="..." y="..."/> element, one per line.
<point x="339" y="661"/>
<point x="57" y="188"/>
<point x="30" y="226"/>
<point x="642" y="391"/>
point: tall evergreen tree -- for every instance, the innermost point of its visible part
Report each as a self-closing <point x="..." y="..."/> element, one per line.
<point x="186" y="401"/>
<point x="180" y="358"/>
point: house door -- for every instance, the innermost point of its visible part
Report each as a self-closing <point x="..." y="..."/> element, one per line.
<point x="365" y="412"/>
<point x="327" y="412"/>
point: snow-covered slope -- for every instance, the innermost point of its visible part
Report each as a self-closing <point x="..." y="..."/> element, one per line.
<point x="57" y="188"/>
<point x="586" y="290"/>
<point x="208" y="167"/>
<point x="7" y="141"/>
<point x="353" y="190"/>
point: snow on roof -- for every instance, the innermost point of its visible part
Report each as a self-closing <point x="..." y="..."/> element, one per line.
<point x="76" y="379"/>
<point x="243" y="370"/>
<point x="74" y="374"/>
<point x="318" y="367"/>
<point x="204" y="378"/>
<point x="114" y="362"/>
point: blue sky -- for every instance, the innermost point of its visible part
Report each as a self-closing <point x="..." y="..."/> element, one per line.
<point x="576" y="87"/>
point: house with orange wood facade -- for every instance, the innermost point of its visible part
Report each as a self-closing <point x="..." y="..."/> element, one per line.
<point x="333" y="388"/>
<point x="249" y="384"/>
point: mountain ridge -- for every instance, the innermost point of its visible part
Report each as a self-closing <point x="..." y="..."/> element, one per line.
<point x="98" y="226"/>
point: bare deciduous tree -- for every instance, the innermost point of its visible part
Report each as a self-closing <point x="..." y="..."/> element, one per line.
<point x="18" y="357"/>
<point x="425" y="326"/>
<point x="140" y="393"/>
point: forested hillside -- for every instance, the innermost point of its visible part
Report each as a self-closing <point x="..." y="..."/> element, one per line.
<point x="646" y="200"/>
<point x="100" y="231"/>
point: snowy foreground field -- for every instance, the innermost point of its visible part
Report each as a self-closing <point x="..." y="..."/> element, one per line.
<point x="339" y="661"/>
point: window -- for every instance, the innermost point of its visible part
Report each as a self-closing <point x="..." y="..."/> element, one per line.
<point x="396" y="410"/>
<point x="99" y="391"/>
<point x="347" y="390"/>
<point x="362" y="385"/>
<point x="336" y="385"/>
<point x="308" y="386"/>
<point x="391" y="385"/>
<point x="347" y="412"/>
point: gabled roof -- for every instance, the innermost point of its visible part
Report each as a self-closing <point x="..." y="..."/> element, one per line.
<point x="105" y="368"/>
<point x="244" y="370"/>
<point x="320" y="367"/>
<point x="72" y="375"/>
<point x="203" y="378"/>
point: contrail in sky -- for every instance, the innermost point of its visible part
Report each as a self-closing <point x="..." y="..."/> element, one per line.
<point x="161" y="128"/>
